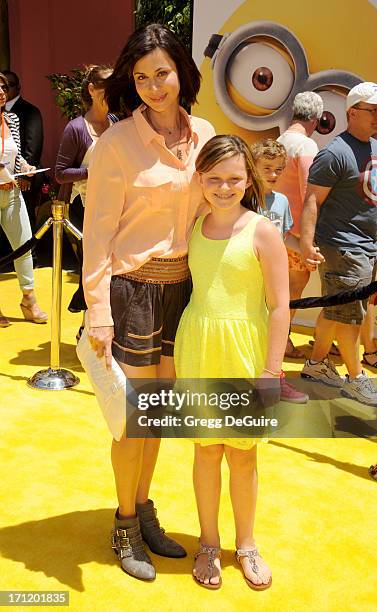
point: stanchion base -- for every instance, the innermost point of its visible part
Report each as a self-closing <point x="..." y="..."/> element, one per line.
<point x="53" y="380"/>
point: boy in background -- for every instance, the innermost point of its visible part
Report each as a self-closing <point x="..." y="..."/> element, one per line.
<point x="270" y="158"/>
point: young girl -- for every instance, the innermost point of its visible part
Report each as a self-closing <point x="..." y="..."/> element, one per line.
<point x="235" y="325"/>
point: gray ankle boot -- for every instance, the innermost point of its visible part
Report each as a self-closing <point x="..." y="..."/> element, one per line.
<point x="128" y="546"/>
<point x="154" y="535"/>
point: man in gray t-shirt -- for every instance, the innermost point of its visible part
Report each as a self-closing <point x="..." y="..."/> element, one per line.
<point x="348" y="216"/>
<point x="342" y="188"/>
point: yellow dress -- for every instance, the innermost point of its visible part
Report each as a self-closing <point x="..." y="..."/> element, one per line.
<point x="223" y="330"/>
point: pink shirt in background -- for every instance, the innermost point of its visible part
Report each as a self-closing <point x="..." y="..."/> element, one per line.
<point x="141" y="203"/>
<point x="301" y="151"/>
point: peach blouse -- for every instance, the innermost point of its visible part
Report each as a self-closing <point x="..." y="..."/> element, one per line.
<point x="141" y="203"/>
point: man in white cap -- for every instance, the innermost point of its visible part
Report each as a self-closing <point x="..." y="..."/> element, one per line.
<point x="340" y="217"/>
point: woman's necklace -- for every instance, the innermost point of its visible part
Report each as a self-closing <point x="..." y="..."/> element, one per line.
<point x="179" y="151"/>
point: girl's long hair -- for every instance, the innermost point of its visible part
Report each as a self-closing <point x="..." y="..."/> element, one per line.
<point x="223" y="147"/>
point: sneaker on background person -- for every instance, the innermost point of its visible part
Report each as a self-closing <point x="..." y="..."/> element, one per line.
<point x="322" y="371"/>
<point x="360" y="389"/>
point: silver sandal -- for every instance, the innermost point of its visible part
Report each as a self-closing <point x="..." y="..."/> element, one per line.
<point x="213" y="552"/>
<point x="252" y="554"/>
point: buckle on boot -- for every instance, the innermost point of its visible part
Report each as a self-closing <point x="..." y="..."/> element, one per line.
<point x="121" y="543"/>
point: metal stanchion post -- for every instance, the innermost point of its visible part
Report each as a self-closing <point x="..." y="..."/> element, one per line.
<point x="56" y="378"/>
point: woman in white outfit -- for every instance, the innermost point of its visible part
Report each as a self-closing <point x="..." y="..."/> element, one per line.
<point x="14" y="218"/>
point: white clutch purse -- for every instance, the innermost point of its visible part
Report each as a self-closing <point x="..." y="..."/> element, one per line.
<point x="109" y="386"/>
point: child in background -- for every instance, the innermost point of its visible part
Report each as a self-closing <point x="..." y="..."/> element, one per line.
<point x="270" y="158"/>
<point x="235" y="326"/>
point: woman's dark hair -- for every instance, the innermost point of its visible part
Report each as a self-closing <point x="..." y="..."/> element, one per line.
<point x="15" y="79"/>
<point x="120" y="87"/>
<point x="95" y="75"/>
<point x="4" y="79"/>
<point x="5" y="82"/>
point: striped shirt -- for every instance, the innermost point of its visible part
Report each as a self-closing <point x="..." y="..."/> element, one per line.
<point x="14" y="127"/>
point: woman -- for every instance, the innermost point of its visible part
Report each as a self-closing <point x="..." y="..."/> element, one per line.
<point x="141" y="203"/>
<point x="14" y="218"/>
<point x="78" y="141"/>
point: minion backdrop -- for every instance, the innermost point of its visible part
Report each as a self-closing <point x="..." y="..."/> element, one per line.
<point x="316" y="516"/>
<point x="255" y="56"/>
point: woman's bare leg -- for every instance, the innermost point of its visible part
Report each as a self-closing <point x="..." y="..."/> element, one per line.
<point x="127" y="455"/>
<point x="126" y="458"/>
<point x="149" y="460"/>
<point x="134" y="460"/>
<point x="166" y="370"/>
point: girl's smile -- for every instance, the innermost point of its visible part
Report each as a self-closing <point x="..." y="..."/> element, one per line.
<point x="225" y="184"/>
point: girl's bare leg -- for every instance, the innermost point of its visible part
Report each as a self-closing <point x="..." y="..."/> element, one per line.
<point x="243" y="486"/>
<point x="207" y="486"/>
<point x="297" y="282"/>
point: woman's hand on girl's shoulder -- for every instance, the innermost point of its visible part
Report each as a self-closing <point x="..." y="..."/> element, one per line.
<point x="101" y="339"/>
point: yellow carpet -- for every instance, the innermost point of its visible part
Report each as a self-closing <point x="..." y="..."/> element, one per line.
<point x="316" y="519"/>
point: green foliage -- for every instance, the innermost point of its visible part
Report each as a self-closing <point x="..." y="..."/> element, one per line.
<point x="176" y="16"/>
<point x="68" y="92"/>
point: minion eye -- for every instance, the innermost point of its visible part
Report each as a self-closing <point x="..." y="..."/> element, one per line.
<point x="333" y="119"/>
<point x="326" y="124"/>
<point x="260" y="76"/>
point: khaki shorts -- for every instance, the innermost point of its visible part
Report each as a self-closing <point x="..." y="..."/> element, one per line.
<point x="294" y="261"/>
<point x="345" y="271"/>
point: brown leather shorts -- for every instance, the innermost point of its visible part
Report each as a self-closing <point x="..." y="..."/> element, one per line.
<point x="146" y="317"/>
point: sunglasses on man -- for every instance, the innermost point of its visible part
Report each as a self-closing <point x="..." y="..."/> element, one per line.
<point x="368" y="110"/>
